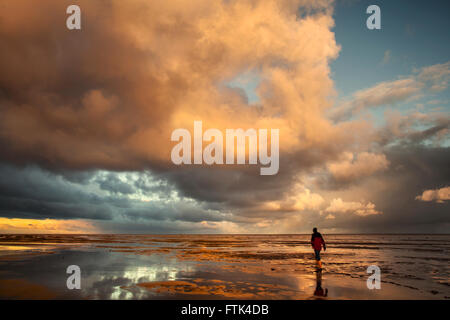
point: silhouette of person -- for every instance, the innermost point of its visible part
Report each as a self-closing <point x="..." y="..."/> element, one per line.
<point x="320" y="292"/>
<point x="317" y="242"/>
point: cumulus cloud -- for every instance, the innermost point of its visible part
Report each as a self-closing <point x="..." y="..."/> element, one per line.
<point x="116" y="90"/>
<point x="437" y="195"/>
<point x="300" y="199"/>
<point x="350" y="167"/>
<point x="358" y="208"/>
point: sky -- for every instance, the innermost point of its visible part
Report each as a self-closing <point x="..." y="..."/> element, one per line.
<point x="87" y="116"/>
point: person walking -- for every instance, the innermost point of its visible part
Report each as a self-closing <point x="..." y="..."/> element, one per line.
<point x="317" y="243"/>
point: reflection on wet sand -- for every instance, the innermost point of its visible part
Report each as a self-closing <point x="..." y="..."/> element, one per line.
<point x="216" y="267"/>
<point x="319" y="291"/>
<point x="205" y="288"/>
<point x="22" y="289"/>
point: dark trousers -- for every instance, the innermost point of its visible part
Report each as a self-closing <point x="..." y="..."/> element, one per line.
<point x="317" y="253"/>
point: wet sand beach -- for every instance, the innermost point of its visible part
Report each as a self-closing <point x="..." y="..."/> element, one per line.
<point x="223" y="267"/>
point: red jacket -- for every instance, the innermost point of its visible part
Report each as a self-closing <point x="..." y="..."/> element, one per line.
<point x="317" y="241"/>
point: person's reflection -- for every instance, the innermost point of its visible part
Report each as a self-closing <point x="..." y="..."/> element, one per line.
<point x="320" y="292"/>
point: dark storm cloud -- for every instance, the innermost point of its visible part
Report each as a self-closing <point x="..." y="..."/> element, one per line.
<point x="412" y="171"/>
<point x="31" y="192"/>
<point x="154" y="183"/>
<point x="115" y="185"/>
<point x="80" y="177"/>
<point x="234" y="187"/>
<point x="173" y="212"/>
